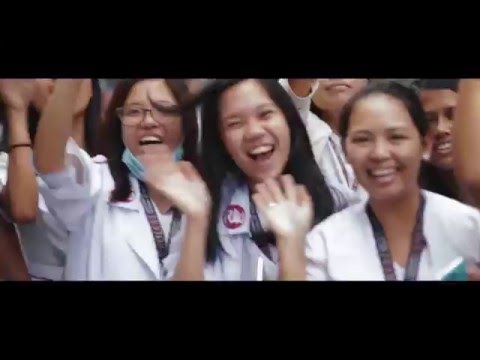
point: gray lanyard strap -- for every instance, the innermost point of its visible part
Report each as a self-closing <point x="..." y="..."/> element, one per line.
<point x="259" y="236"/>
<point x="418" y="245"/>
<point x="163" y="247"/>
<point x="342" y="165"/>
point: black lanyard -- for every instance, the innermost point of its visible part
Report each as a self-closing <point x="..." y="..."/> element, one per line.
<point x="418" y="244"/>
<point x="261" y="238"/>
<point x="163" y="247"/>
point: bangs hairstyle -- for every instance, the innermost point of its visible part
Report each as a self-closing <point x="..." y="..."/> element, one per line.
<point x="91" y="123"/>
<point x="406" y="95"/>
<point x="216" y="163"/>
<point x="111" y="143"/>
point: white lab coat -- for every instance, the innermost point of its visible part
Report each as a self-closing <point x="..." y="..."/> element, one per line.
<point x="239" y="256"/>
<point x="326" y="146"/>
<point x="107" y="240"/>
<point x="43" y="241"/>
<point x="328" y="151"/>
<point x="343" y="247"/>
<point x="301" y="103"/>
<point x="329" y="155"/>
<point x="113" y="241"/>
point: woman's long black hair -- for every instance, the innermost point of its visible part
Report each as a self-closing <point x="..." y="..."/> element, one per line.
<point x="215" y="163"/>
<point x="111" y="130"/>
<point x="92" y="121"/>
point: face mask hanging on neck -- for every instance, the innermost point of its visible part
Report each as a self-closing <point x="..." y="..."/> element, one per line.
<point x="136" y="167"/>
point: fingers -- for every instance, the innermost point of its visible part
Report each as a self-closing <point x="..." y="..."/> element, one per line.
<point x="260" y="202"/>
<point x="264" y="193"/>
<point x="276" y="193"/>
<point x="303" y="196"/>
<point x="285" y="188"/>
<point x="289" y="188"/>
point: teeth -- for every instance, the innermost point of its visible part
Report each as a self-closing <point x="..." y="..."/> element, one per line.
<point x="444" y="147"/>
<point x="383" y="172"/>
<point x="151" y="138"/>
<point x="261" y="150"/>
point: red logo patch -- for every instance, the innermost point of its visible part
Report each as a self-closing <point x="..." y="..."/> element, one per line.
<point x="234" y="216"/>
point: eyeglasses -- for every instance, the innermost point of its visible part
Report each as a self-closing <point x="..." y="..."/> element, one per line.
<point x="134" y="115"/>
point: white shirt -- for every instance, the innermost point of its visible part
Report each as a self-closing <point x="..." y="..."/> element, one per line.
<point x="43" y="241"/>
<point x="326" y="146"/>
<point x="239" y="255"/>
<point x="107" y="240"/>
<point x="301" y="103"/>
<point x="343" y="246"/>
<point x="329" y="155"/>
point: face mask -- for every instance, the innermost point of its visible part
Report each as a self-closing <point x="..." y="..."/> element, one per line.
<point x="136" y="167"/>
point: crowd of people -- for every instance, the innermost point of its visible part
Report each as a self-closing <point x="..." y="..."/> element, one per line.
<point x="239" y="179"/>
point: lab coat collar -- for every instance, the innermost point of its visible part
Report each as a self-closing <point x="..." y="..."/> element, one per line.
<point x="425" y="212"/>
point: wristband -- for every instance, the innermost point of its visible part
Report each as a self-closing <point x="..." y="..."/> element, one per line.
<point x="11" y="147"/>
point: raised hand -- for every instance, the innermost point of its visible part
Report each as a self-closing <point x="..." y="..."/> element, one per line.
<point x="17" y="94"/>
<point x="286" y="206"/>
<point x="179" y="182"/>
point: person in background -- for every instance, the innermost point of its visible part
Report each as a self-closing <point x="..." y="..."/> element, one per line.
<point x="23" y="100"/>
<point x="401" y="232"/>
<point x="439" y="99"/>
<point x="466" y="144"/>
<point x="322" y="125"/>
<point x="254" y="144"/>
<point x="129" y="211"/>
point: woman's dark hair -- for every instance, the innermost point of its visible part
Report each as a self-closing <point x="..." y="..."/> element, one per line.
<point x="111" y="143"/>
<point x="438" y="84"/>
<point x="440" y="181"/>
<point x="91" y="123"/>
<point x="93" y="114"/>
<point x="216" y="164"/>
<point x="404" y="94"/>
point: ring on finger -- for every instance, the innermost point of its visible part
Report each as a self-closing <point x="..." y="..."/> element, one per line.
<point x="272" y="204"/>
